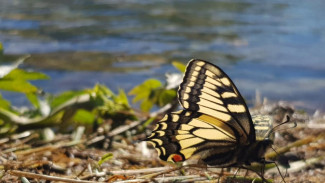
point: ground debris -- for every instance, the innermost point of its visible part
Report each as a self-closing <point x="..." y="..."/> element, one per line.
<point x="64" y="159"/>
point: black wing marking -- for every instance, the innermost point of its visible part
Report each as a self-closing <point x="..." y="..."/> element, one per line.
<point x="207" y="89"/>
<point x="181" y="135"/>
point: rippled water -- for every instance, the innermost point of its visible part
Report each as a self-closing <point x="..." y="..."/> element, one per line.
<point x="276" y="47"/>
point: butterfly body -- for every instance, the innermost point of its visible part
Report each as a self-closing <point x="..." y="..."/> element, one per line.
<point x="215" y="127"/>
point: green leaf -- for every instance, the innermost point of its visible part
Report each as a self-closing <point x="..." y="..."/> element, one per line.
<point x="146" y="85"/>
<point x="101" y="89"/>
<point x="146" y="105"/>
<point x="19" y="74"/>
<point x="180" y="66"/>
<point x="32" y="97"/>
<point x="141" y="96"/>
<point x="4" y="103"/>
<point x="167" y="96"/>
<point x="151" y="92"/>
<point x="6" y="69"/>
<point x="122" y="98"/>
<point x="84" y="117"/>
<point x="104" y="158"/>
<point x="1" y="49"/>
<point x="144" y="90"/>
<point x="152" y="83"/>
<point x="17" y="86"/>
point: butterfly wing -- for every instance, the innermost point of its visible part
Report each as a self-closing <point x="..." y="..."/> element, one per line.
<point x="208" y="90"/>
<point x="215" y="124"/>
<point x="181" y="135"/>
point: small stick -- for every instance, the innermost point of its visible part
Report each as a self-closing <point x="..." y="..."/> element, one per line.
<point x="19" y="148"/>
<point x="139" y="171"/>
<point x="36" y="150"/>
<point x="297" y="143"/>
<point x="48" y="147"/>
<point x="123" y="128"/>
<point x="45" y="177"/>
<point x="191" y="178"/>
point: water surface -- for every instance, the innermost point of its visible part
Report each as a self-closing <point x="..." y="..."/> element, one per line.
<point x="276" y="47"/>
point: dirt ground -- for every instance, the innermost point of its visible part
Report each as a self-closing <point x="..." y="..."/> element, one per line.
<point x="25" y="157"/>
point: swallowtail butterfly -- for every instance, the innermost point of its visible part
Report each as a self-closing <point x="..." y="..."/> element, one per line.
<point x="215" y="125"/>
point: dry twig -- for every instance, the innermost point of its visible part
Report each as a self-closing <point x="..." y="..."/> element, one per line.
<point x="45" y="177"/>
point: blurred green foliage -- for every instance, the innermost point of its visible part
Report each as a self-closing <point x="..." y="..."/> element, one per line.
<point x="1" y="49"/>
<point x="14" y="79"/>
<point x="105" y="158"/>
<point x="152" y="92"/>
<point x="89" y="107"/>
<point x="68" y="109"/>
<point x="180" y="66"/>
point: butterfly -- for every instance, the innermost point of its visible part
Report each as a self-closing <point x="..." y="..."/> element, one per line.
<point x="215" y="126"/>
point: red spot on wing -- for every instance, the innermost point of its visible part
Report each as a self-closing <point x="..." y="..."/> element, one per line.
<point x="177" y="158"/>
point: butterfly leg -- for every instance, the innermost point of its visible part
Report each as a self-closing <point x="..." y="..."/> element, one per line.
<point x="235" y="174"/>
<point x="258" y="173"/>
<point x="246" y="173"/>
<point x="220" y="175"/>
<point x="271" y="162"/>
<point x="264" y="162"/>
<point x="280" y="172"/>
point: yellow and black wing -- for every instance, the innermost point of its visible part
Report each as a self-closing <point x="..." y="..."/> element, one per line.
<point x="215" y="124"/>
<point x="208" y="90"/>
<point x="180" y="135"/>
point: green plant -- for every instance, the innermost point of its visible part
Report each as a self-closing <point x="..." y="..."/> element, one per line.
<point x="70" y="108"/>
<point x="14" y="79"/>
<point x="1" y="49"/>
<point x="152" y="92"/>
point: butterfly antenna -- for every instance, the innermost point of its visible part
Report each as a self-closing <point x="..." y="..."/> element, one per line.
<point x="286" y="121"/>
<point x="276" y="165"/>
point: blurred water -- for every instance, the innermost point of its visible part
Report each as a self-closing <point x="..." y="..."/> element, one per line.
<point x="276" y="47"/>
